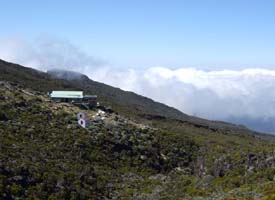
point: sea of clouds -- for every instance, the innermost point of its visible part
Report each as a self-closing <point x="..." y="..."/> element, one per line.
<point x="241" y="96"/>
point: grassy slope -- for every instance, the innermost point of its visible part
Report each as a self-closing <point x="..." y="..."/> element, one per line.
<point x="44" y="151"/>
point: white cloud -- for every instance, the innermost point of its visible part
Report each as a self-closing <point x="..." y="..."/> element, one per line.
<point x="46" y="53"/>
<point x="211" y="94"/>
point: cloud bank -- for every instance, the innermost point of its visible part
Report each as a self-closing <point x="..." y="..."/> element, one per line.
<point x="210" y="94"/>
<point x="219" y="94"/>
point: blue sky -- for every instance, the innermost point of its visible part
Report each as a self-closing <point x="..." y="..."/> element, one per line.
<point x="144" y="33"/>
<point x="192" y="55"/>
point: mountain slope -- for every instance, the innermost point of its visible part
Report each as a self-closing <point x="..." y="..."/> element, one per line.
<point x="132" y="154"/>
<point x="128" y="103"/>
<point x="44" y="154"/>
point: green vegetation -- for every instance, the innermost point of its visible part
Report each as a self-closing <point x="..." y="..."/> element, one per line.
<point x="46" y="154"/>
<point x="147" y="151"/>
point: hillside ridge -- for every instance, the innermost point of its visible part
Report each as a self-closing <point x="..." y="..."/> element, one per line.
<point x="134" y="153"/>
<point x="128" y="103"/>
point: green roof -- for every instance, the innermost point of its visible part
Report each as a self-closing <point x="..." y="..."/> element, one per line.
<point x="66" y="94"/>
